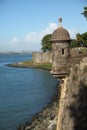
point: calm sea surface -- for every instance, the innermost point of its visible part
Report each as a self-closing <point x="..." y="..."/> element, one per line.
<point x="23" y="91"/>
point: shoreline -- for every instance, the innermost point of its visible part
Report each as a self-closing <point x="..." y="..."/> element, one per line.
<point x="31" y="64"/>
<point x="47" y="117"/>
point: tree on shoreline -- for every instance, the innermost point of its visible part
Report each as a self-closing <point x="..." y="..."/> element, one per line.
<point x="45" y="42"/>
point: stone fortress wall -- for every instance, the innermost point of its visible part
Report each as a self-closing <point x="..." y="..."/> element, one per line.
<point x="42" y="57"/>
<point x="68" y="66"/>
<point x="77" y="51"/>
<point x="72" y="111"/>
<point x="46" y="57"/>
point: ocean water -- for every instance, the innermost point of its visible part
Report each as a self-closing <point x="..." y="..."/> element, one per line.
<point x="23" y="91"/>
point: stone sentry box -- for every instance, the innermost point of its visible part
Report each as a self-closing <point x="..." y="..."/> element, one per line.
<point x="61" y="52"/>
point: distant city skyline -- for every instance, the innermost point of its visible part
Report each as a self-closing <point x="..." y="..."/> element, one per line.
<point x="23" y="23"/>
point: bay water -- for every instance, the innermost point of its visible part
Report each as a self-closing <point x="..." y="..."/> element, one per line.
<point x="23" y="91"/>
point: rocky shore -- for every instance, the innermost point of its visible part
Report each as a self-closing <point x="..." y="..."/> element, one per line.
<point x="47" y="118"/>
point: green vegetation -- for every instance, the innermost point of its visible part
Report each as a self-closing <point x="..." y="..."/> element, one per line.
<point x="27" y="63"/>
<point x="45" y="42"/>
<point x="45" y="66"/>
<point x="80" y="41"/>
<point x="85" y="12"/>
<point x="31" y="64"/>
<point x="74" y="43"/>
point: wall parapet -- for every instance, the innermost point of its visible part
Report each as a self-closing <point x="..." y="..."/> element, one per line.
<point x="42" y="57"/>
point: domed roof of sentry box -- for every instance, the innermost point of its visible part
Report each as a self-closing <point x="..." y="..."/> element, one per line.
<point x="60" y="34"/>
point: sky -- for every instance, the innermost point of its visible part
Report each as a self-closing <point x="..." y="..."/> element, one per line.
<point x="23" y="23"/>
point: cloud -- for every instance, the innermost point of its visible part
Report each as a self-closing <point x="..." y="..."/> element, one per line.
<point x="49" y="29"/>
<point x="32" y="40"/>
<point x="36" y="37"/>
<point x="14" y="40"/>
<point x="31" y="37"/>
<point x="73" y="33"/>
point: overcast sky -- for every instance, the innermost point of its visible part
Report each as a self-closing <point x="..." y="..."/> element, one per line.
<point x="23" y="23"/>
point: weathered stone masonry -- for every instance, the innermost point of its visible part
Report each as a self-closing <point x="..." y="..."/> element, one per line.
<point x="41" y="57"/>
<point x="72" y="111"/>
<point x="61" y="51"/>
